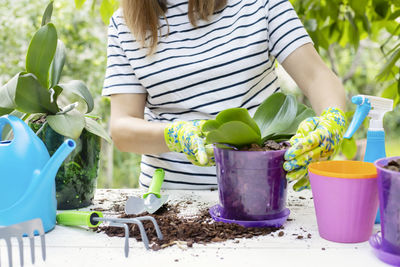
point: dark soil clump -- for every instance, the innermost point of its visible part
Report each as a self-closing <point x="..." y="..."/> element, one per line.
<point x="393" y="165"/>
<point x="269" y="145"/>
<point x="179" y="231"/>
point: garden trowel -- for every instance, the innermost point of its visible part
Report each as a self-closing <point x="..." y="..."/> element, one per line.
<point x="152" y="200"/>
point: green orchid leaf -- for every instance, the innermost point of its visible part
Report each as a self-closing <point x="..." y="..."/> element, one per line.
<point x="69" y="124"/>
<point x="303" y="112"/>
<point x="210" y="125"/>
<point x="234" y="133"/>
<point x="7" y="95"/>
<point x="95" y="128"/>
<point x="41" y="52"/>
<point x="276" y="114"/>
<point x="232" y="114"/>
<point x="79" y="89"/>
<point x="46" y="18"/>
<point x="57" y="64"/>
<point x="32" y="97"/>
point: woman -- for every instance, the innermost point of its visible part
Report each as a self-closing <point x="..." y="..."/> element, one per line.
<point x="173" y="64"/>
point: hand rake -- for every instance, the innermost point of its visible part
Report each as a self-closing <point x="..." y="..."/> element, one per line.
<point x="94" y="218"/>
<point x="27" y="228"/>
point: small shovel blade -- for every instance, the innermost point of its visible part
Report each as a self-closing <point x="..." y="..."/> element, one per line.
<point x="134" y="205"/>
<point x="152" y="203"/>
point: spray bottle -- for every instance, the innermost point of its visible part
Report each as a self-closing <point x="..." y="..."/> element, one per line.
<point x="375" y="108"/>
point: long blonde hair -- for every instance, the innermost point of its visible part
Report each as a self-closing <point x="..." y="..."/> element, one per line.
<point x="142" y="16"/>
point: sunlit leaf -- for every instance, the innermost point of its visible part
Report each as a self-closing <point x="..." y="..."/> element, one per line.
<point x="41" y="52"/>
<point x="32" y="97"/>
<point x="57" y="64"/>
<point x="46" y="18"/>
<point x="95" y="128"/>
<point x="69" y="124"/>
<point x="276" y="114"/>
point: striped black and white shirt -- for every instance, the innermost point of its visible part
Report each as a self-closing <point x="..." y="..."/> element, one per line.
<point x="196" y="72"/>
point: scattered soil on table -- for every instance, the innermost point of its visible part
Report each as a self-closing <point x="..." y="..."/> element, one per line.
<point x="184" y="232"/>
<point x="268" y="146"/>
<point x="393" y="165"/>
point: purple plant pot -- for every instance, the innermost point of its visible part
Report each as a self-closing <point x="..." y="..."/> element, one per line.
<point x="389" y="204"/>
<point x="251" y="184"/>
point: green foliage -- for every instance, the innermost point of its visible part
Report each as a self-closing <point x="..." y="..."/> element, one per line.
<point x="107" y="8"/>
<point x="348" y="22"/>
<point x="30" y="92"/>
<point x="277" y="118"/>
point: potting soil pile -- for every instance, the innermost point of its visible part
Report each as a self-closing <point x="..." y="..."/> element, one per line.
<point x="267" y="146"/>
<point x="393" y="165"/>
<point x="184" y="231"/>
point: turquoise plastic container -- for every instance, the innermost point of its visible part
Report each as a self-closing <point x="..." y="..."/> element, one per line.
<point x="27" y="180"/>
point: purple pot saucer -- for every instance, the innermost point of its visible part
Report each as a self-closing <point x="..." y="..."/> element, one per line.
<point x="215" y="212"/>
<point x="376" y="243"/>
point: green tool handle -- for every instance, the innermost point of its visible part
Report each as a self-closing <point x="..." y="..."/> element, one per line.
<point x="156" y="183"/>
<point x="82" y="218"/>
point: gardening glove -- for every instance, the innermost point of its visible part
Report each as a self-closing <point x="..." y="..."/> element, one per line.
<point x="317" y="139"/>
<point x="187" y="137"/>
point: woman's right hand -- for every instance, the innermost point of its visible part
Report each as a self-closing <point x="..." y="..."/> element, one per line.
<point x="186" y="137"/>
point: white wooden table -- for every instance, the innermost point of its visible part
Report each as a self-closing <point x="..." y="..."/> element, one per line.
<point x="76" y="246"/>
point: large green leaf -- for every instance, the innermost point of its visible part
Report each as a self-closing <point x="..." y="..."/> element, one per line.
<point x="303" y="112"/>
<point x="7" y="95"/>
<point x="234" y="133"/>
<point x="276" y="114"/>
<point x="57" y="64"/>
<point x="41" y="52"/>
<point x="69" y="124"/>
<point x="79" y="88"/>
<point x="95" y="128"/>
<point x="32" y="97"/>
<point x="46" y="18"/>
<point x="232" y="114"/>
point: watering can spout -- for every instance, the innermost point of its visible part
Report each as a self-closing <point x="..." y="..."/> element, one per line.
<point x="52" y="166"/>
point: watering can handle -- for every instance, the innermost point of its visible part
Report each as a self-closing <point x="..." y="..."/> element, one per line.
<point x="19" y="127"/>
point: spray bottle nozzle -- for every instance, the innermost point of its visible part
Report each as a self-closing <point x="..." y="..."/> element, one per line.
<point x="372" y="106"/>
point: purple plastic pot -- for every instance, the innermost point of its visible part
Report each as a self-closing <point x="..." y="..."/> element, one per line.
<point x="251" y="184"/>
<point x="389" y="204"/>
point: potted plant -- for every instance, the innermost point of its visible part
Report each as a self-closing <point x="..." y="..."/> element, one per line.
<point x="56" y="111"/>
<point x="249" y="155"/>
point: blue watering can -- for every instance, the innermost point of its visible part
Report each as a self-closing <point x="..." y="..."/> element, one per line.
<point x="27" y="175"/>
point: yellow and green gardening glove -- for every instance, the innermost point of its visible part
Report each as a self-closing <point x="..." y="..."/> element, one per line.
<point x="317" y="139"/>
<point x="186" y="137"/>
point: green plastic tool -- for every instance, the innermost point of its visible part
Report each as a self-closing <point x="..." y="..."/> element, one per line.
<point x="152" y="200"/>
<point x="94" y="218"/>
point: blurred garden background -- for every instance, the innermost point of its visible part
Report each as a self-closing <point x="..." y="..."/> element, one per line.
<point x="358" y="39"/>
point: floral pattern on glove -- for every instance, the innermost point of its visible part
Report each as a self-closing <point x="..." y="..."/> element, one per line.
<point x="186" y="137"/>
<point x="317" y="139"/>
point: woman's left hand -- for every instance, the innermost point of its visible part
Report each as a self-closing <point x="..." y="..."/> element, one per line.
<point x="317" y="139"/>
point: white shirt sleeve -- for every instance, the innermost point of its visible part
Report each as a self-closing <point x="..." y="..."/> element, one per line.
<point x="120" y="77"/>
<point x="285" y="30"/>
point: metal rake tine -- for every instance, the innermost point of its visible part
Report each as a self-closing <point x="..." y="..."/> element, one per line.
<point x="9" y="251"/>
<point x="32" y="244"/>
<point x="21" y="250"/>
<point x="43" y="243"/>
<point x="125" y="226"/>
<point x="158" y="231"/>
<point x="143" y="234"/>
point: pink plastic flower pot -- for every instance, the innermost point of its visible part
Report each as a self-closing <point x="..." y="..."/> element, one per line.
<point x="345" y="197"/>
